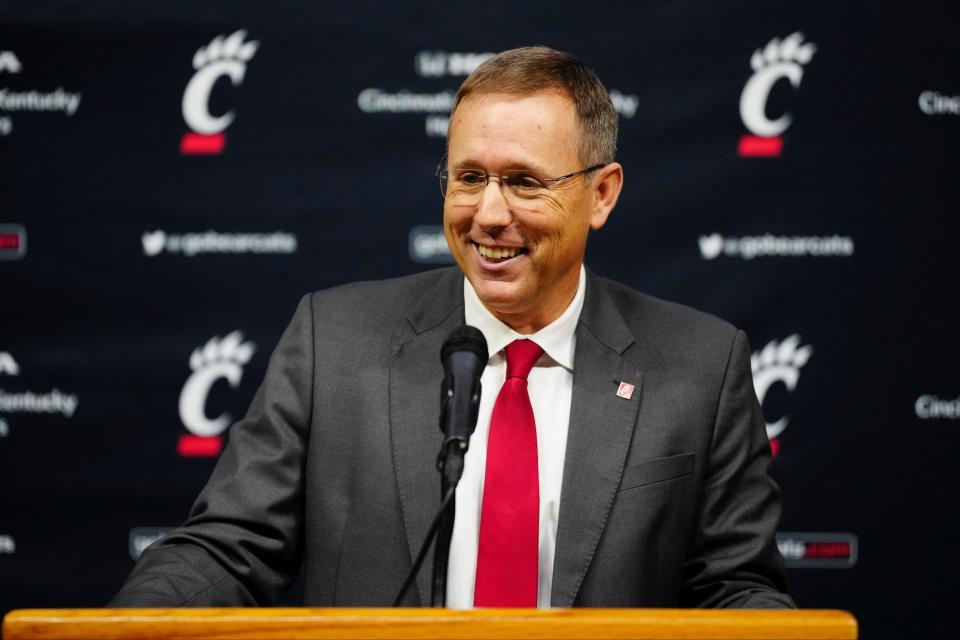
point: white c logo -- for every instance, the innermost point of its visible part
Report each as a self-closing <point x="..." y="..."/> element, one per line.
<point x="753" y="100"/>
<point x="193" y="398"/>
<point x="762" y="382"/>
<point x="196" y="97"/>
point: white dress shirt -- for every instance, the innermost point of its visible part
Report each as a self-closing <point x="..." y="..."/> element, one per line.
<point x="550" y="385"/>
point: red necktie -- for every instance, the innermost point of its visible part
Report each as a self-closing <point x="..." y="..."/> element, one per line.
<point x="510" y="513"/>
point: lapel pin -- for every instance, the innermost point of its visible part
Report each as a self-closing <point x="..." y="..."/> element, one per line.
<point x="625" y="391"/>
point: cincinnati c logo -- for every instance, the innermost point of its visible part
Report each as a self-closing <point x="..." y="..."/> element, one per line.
<point x="225" y="56"/>
<point x="218" y="359"/>
<point x="776" y="61"/>
<point x="778" y="363"/>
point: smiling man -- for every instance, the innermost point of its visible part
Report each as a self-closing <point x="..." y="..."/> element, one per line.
<point x="521" y="245"/>
<point x="620" y="456"/>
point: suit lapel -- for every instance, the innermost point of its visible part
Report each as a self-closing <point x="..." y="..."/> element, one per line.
<point x="601" y="429"/>
<point x="415" y="376"/>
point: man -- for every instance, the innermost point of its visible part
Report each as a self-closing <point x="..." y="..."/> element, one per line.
<point x="619" y="459"/>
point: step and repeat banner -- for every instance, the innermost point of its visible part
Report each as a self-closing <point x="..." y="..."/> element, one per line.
<point x="175" y="176"/>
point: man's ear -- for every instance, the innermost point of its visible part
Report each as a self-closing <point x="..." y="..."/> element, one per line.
<point x="607" y="184"/>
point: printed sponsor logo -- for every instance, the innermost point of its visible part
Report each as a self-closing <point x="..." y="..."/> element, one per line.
<point x="818" y="550"/>
<point x="51" y="402"/>
<point x="777" y="61"/>
<point x="217" y="359"/>
<point x="428" y="245"/>
<point x="7" y="544"/>
<point x="931" y="407"/>
<point x="54" y="401"/>
<point x="437" y="64"/>
<point x="934" y="103"/>
<point x="437" y="105"/>
<point x="225" y="56"/>
<point x="13" y="241"/>
<point x="31" y="100"/>
<point x="143" y="537"/>
<point x="193" y="244"/>
<point x="57" y="100"/>
<point x="9" y="62"/>
<point x="768" y="246"/>
<point x="379" y="101"/>
<point x="778" y="362"/>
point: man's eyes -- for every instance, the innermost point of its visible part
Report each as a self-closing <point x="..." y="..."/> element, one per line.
<point x="471" y="178"/>
<point x="521" y="181"/>
<point x="524" y="181"/>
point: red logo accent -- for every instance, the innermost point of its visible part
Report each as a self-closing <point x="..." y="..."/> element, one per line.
<point x="774" y="447"/>
<point x="199" y="447"/>
<point x="197" y="144"/>
<point x="831" y="550"/>
<point x="10" y="241"/>
<point x="757" y="147"/>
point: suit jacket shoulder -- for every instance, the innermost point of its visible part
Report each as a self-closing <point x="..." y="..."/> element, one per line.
<point x="380" y="305"/>
<point x="664" y="331"/>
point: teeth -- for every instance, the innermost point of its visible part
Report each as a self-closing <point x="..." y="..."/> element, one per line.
<point x="497" y="253"/>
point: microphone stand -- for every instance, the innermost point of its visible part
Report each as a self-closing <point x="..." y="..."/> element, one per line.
<point x="450" y="465"/>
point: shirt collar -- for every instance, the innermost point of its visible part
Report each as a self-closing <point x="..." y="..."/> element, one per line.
<point x="556" y="339"/>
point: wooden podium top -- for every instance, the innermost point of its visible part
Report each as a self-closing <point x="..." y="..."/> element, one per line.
<point x="427" y="624"/>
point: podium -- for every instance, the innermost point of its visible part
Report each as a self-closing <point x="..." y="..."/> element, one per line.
<point x="427" y="624"/>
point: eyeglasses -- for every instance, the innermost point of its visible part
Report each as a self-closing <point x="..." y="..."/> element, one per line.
<point x="465" y="186"/>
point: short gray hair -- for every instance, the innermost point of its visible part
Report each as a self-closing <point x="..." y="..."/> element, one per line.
<point x="530" y="69"/>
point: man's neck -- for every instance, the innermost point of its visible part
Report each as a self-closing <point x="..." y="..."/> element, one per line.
<point x="529" y="321"/>
<point x="476" y="310"/>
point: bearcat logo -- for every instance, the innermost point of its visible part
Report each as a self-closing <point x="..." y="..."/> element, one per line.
<point x="778" y="363"/>
<point x="774" y="62"/>
<point x="218" y="359"/>
<point x="224" y="56"/>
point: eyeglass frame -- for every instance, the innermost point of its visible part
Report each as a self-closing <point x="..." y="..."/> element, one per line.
<point x="443" y="174"/>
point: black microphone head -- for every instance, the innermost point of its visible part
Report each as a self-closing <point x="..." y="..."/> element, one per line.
<point x="465" y="338"/>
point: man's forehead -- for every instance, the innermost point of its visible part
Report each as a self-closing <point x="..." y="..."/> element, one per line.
<point x="556" y="101"/>
<point x="512" y="127"/>
<point x="480" y="97"/>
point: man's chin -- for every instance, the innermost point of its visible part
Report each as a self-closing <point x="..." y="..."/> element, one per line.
<point x="498" y="296"/>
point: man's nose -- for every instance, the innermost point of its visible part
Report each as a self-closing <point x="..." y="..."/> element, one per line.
<point x="493" y="210"/>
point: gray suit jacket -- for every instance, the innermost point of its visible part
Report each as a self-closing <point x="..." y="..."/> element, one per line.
<point x="665" y="502"/>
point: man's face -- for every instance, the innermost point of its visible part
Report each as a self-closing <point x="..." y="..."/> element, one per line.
<point x="500" y="133"/>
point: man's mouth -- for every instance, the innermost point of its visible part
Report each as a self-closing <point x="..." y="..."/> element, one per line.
<point x="499" y="254"/>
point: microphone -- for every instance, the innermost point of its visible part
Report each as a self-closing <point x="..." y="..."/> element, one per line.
<point x="464" y="356"/>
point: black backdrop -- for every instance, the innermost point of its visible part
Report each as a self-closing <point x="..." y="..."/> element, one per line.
<point x="121" y="255"/>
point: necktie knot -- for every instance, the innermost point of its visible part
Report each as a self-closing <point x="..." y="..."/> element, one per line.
<point x="521" y="356"/>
